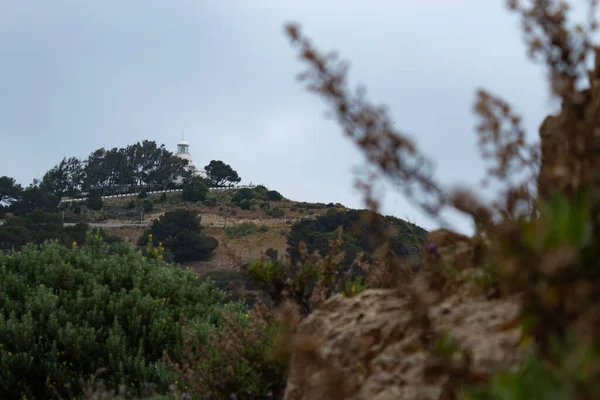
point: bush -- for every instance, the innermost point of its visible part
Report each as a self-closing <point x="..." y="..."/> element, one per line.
<point x="94" y="201"/>
<point x="196" y="190"/>
<point x="265" y="206"/>
<point x="245" y="204"/>
<point x="143" y="194"/>
<point x="210" y="202"/>
<point x="274" y="195"/>
<point x="68" y="312"/>
<point x="243" y="194"/>
<point x="130" y="205"/>
<point x="275" y="212"/>
<point x="163" y="198"/>
<point x="244" y="229"/>
<point x="147" y="205"/>
<point x="180" y="232"/>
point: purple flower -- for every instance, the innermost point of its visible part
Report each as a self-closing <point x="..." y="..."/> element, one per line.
<point x="186" y="396"/>
<point x="432" y="247"/>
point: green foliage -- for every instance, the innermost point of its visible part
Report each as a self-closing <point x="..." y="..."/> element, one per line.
<point x="244" y="229"/>
<point x="130" y="205"/>
<point x="65" y="179"/>
<point x="59" y="304"/>
<point x="243" y="194"/>
<point x="220" y="174"/>
<point x="143" y="194"/>
<point x="140" y="164"/>
<point x="181" y="233"/>
<point x="94" y="200"/>
<point x="147" y="205"/>
<point x="195" y="190"/>
<point x="246" y="204"/>
<point x="163" y="198"/>
<point x="34" y="198"/>
<point x="37" y="227"/>
<point x="274" y="195"/>
<point x="358" y="235"/>
<point x="354" y="287"/>
<point x="275" y="212"/>
<point x="272" y="254"/>
<point x="9" y="190"/>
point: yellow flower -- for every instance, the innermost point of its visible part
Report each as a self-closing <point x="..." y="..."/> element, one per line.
<point x="150" y="235"/>
<point x="9" y="354"/>
<point x="187" y="268"/>
<point x="126" y="238"/>
<point x="176" y="382"/>
<point x="97" y="237"/>
<point x="74" y="243"/>
<point x="246" y="315"/>
<point x="196" y="276"/>
<point x="160" y="244"/>
<point x="160" y="257"/>
<point x="164" y="321"/>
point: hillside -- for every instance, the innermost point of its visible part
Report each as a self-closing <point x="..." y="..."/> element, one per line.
<point x="215" y="218"/>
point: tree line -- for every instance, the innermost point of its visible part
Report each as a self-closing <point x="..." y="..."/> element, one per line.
<point x="119" y="170"/>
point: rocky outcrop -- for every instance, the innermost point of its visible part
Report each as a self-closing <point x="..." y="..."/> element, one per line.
<point x="371" y="346"/>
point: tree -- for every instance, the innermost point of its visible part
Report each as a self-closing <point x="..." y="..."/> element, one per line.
<point x="33" y="198"/>
<point x="274" y="195"/>
<point x="220" y="173"/>
<point x="65" y="179"/>
<point x="94" y="200"/>
<point x="9" y="190"/>
<point x="195" y="190"/>
<point x="181" y="233"/>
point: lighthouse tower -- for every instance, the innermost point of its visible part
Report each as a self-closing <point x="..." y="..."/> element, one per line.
<point x="183" y="152"/>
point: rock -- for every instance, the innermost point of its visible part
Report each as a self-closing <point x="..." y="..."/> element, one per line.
<point x="368" y="346"/>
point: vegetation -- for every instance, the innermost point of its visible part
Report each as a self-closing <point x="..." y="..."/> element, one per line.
<point x="59" y="303"/>
<point x="539" y="238"/>
<point x="221" y="174"/>
<point x="180" y="232"/>
<point x="39" y="226"/>
<point x="357" y="236"/>
<point x="117" y="170"/>
<point x="195" y="190"/>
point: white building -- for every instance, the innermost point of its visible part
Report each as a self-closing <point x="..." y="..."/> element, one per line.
<point x="183" y="152"/>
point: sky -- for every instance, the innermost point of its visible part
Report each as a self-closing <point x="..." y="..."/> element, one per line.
<point x="79" y="75"/>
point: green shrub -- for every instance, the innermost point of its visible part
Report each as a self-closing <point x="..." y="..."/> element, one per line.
<point x="66" y="313"/>
<point x="275" y="212"/>
<point x="196" y="190"/>
<point x="243" y="194"/>
<point x="210" y="201"/>
<point x="244" y="229"/>
<point x="143" y="194"/>
<point x="130" y="205"/>
<point x="274" y="195"/>
<point x="94" y="201"/>
<point x="265" y="206"/>
<point x="246" y="204"/>
<point x="163" y="198"/>
<point x="147" y="205"/>
<point x="180" y="231"/>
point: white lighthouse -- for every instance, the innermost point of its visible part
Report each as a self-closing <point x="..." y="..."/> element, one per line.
<point x="183" y="152"/>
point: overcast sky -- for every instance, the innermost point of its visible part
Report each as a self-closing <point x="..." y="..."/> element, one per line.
<point x="79" y="75"/>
